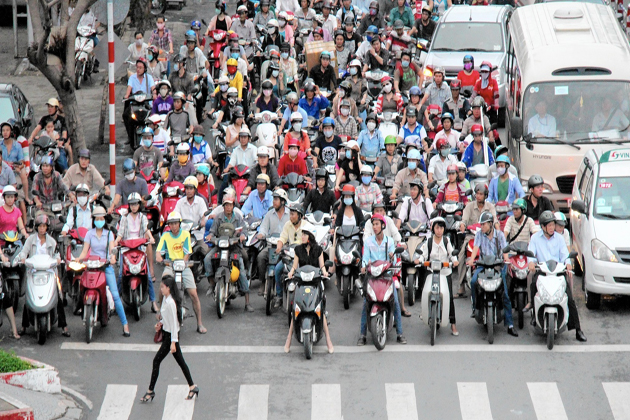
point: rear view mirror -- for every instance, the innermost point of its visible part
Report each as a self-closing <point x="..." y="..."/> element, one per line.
<point x="530" y="254"/>
<point x="399" y="250"/>
<point x="327" y="220"/>
<point x="573" y="254"/>
<point x="578" y="206"/>
<point x="507" y="249"/>
<point x="455" y="252"/>
<point x="328" y="264"/>
<point x="434" y="214"/>
<point x="469" y="191"/>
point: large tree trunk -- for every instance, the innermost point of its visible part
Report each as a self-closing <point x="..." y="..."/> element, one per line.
<point x="141" y="17"/>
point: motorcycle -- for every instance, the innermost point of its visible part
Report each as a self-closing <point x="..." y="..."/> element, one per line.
<point x="137" y="109"/>
<point x="413" y="233"/>
<point x="309" y="307"/>
<point x="71" y="280"/>
<point x="152" y="199"/>
<point x="551" y="303"/>
<point x="375" y="86"/>
<point x="225" y="260"/>
<point x="517" y="276"/>
<point x="83" y="57"/>
<point x="270" y="279"/>
<point x="435" y="115"/>
<point x="347" y="260"/>
<point x="218" y="41"/>
<point x="451" y="212"/>
<point x="239" y="176"/>
<point x="253" y="245"/>
<point x="288" y="286"/>
<point x="503" y="208"/>
<point x="94" y="295"/>
<point x="389" y="124"/>
<point x="322" y="223"/>
<point x="489" y="291"/>
<point x="42" y="294"/>
<point x="12" y="270"/>
<point x="267" y="133"/>
<point x="295" y="186"/>
<point x="43" y="146"/>
<point x="135" y="275"/>
<point x="471" y="230"/>
<point x="196" y="239"/>
<point x="386" y="184"/>
<point x="171" y="193"/>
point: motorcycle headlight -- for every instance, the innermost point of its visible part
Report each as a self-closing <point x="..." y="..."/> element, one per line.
<point x="520" y="273"/>
<point x="346" y="258"/>
<point x="92" y="264"/>
<point x="308" y="276"/>
<point x="217" y="37"/>
<point x="376" y="270"/>
<point x="450" y="207"/>
<point x="179" y="265"/>
<point x="171" y="191"/>
<point x="602" y="252"/>
<point x="490" y="285"/>
<point x="41" y="279"/>
<point x="405" y="255"/>
<point x="76" y="266"/>
<point x="134" y="268"/>
<point x="255" y="225"/>
<point x="56" y="207"/>
<point x="224" y="243"/>
<point x="436" y="266"/>
<point x="389" y="292"/>
<point x="370" y="292"/>
<point x="139" y="97"/>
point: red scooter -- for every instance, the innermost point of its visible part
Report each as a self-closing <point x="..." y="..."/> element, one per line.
<point x="94" y="292"/>
<point x="135" y="275"/>
<point x="218" y="41"/>
<point x="240" y="177"/>
<point x="517" y="277"/>
<point x="152" y="208"/>
<point x="71" y="281"/>
<point x="503" y="208"/>
<point x="171" y="193"/>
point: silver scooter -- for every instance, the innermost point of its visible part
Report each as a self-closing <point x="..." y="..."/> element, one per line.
<point x="42" y="293"/>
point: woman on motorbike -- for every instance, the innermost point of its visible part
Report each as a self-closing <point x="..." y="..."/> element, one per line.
<point x="388" y="101"/>
<point x="205" y="184"/>
<point x="414" y="101"/>
<point x="220" y="20"/>
<point x="350" y="167"/>
<point x="136" y="50"/>
<point x="275" y="76"/>
<point x="368" y="193"/>
<point x="267" y="100"/>
<point x="464" y="184"/>
<point x="468" y="76"/>
<point x="309" y="253"/>
<point x="451" y="191"/>
<point x="183" y="167"/>
<point x="231" y="134"/>
<point x="349" y="213"/>
<point x="99" y="242"/>
<point x="289" y="67"/>
<point x="344" y="91"/>
<point x="156" y="68"/>
<point x="42" y="243"/>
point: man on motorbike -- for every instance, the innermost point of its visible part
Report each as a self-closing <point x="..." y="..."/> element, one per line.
<point x="60" y="121"/>
<point x="346" y="11"/>
<point x="451" y="190"/>
<point x="328" y="143"/>
<point x="438" y="91"/>
<point x="183" y="167"/>
<point x="163" y="104"/>
<point x="371" y="139"/>
<point x="462" y="170"/>
<point x="368" y="192"/>
<point x="196" y="61"/>
<point x="439" y="163"/>
<point x="475" y="119"/>
<point x="488" y="88"/>
<point x="305" y="14"/>
<point x="323" y="74"/>
<point x="474" y="154"/>
<point x="547" y="244"/>
<point x="272" y="224"/>
<point x="229" y="216"/>
<point x="147" y="156"/>
<point x="491" y="241"/>
<point x="424" y="27"/>
<point x="192" y="206"/>
<point x="79" y="215"/>
<point x="406" y="74"/>
<point x="387" y="164"/>
<point x="457" y="105"/>
<point x="313" y="102"/>
<point x="321" y="198"/>
<point x="200" y="150"/>
<point x="343" y="52"/>
<point x="130" y="184"/>
<point x="372" y="18"/>
<point x="292" y="235"/>
<point x="377" y="58"/>
<point x="329" y="20"/>
<point x="501" y="151"/>
<point x="402" y="12"/>
<point x="292" y="107"/>
<point x="161" y="138"/>
<point x="175" y="245"/>
<point x="7" y="177"/>
<point x="519" y="227"/>
<point x="344" y="91"/>
<point x="181" y="80"/>
<point x="179" y="120"/>
<point x="537" y="203"/>
<point x="448" y="134"/>
<point x="262" y="167"/>
<point x="259" y="202"/>
<point x="406" y="175"/>
<point x="47" y="184"/>
<point x="244" y="28"/>
<point x="417" y="207"/>
<point x="413" y="132"/>
<point x="505" y="186"/>
<point x="380" y="247"/>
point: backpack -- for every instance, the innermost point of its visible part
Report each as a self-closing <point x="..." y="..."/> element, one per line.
<point x="424" y="208"/>
<point x="430" y="244"/>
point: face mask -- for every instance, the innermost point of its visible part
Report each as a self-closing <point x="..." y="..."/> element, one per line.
<point x="366" y="179"/>
<point x="372" y="12"/>
<point x="501" y="171"/>
<point x="297" y="126"/>
<point x="387" y="88"/>
<point x="224" y="88"/>
<point x="371" y="125"/>
<point x="342" y="93"/>
<point x="275" y="73"/>
<point x="160" y="25"/>
<point x="147" y="143"/>
<point x="347" y="201"/>
<point x="369" y="38"/>
<point x="284" y="55"/>
<point x="164" y="92"/>
<point x="182" y="159"/>
<point x="99" y="223"/>
<point x="293" y="153"/>
<point x="485" y="76"/>
<point x="82" y="201"/>
<point x="272" y="30"/>
<point x="217" y="11"/>
<point x="445" y="152"/>
<point x="353" y="71"/>
<point x="405" y="63"/>
<point x="235" y="56"/>
<point x="267" y="92"/>
<point x="198" y="139"/>
<point x="328" y="133"/>
<point x="150" y="57"/>
<point x="176" y="67"/>
<point x="129" y="177"/>
<point x="412" y="166"/>
<point x="139" y="42"/>
<point x="345" y="112"/>
<point x="348" y="154"/>
<point x="468" y="66"/>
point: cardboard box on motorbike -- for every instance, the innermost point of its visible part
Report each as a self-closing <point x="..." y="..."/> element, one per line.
<point x="314" y="49"/>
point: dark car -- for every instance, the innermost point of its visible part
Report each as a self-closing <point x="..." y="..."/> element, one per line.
<point x="13" y="104"/>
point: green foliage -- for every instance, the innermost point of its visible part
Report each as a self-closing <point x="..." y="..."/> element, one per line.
<point x="9" y="362"/>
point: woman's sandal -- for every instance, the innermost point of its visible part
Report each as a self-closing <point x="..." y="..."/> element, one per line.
<point x="14" y="337"/>
<point x="148" y="397"/>
<point x="192" y="393"/>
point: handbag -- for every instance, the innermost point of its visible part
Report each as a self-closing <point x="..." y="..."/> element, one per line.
<point x="159" y="336"/>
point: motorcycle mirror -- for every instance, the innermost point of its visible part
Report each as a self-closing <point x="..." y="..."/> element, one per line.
<point x="150" y="225"/>
<point x="469" y="192"/>
<point x="207" y="213"/>
<point x="328" y="264"/>
<point x="455" y="252"/>
<point x="204" y="22"/>
<point x="62" y="219"/>
<point x="494" y="126"/>
<point x="146" y="197"/>
<point x="573" y="254"/>
<point x="434" y="214"/>
<point x="530" y="254"/>
<point x="507" y="249"/>
<point x="458" y="218"/>
<point x="394" y="214"/>
<point x="107" y="197"/>
<point x="108" y="182"/>
<point x="399" y="250"/>
<point x="327" y="220"/>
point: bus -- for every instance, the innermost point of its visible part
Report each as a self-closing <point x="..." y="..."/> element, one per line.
<point x="568" y="90"/>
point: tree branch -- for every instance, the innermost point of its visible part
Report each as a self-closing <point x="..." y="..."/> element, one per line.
<point x="52" y="4"/>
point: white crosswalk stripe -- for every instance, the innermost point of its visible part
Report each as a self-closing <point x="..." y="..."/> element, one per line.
<point x="618" y="394"/>
<point x="326" y="402"/>
<point x="473" y="401"/>
<point x="253" y="402"/>
<point x="176" y="407"/>
<point x="118" y="402"/>
<point x="547" y="402"/>
<point x="401" y="402"/>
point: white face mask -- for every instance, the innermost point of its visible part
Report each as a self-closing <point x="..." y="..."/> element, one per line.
<point x="267" y="92"/>
<point x="130" y="176"/>
<point x="342" y="93"/>
<point x="371" y="125"/>
<point x="82" y="201"/>
<point x="164" y="92"/>
<point x="275" y="73"/>
<point x="271" y="30"/>
<point x="139" y="41"/>
<point x="501" y="171"/>
<point x="345" y="112"/>
<point x="297" y="126"/>
<point x="387" y="88"/>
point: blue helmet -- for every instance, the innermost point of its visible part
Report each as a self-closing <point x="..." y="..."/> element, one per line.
<point x="147" y="131"/>
<point x="195" y="24"/>
<point x="191" y="36"/>
<point x="470" y="58"/>
<point x="328" y="121"/>
<point x="413" y="154"/>
<point x="129" y="166"/>
<point x="47" y="160"/>
<point x="503" y="159"/>
<point x="415" y="90"/>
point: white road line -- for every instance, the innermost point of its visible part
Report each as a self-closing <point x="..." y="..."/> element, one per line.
<point x="618" y="394"/>
<point x="547" y="401"/>
<point x="473" y="401"/>
<point x="176" y="407"/>
<point x="326" y="402"/>
<point x="457" y="348"/>
<point x="253" y="402"/>
<point x="401" y="402"/>
<point x="118" y="402"/>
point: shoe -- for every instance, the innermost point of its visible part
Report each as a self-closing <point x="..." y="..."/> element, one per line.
<point x="277" y="302"/>
<point x="65" y="333"/>
<point x="362" y="341"/>
<point x="473" y="314"/>
<point x="154" y="307"/>
<point x="126" y="334"/>
<point x="249" y="308"/>
<point x="455" y="333"/>
<point x="406" y="314"/>
<point x="192" y="393"/>
<point x="148" y="397"/>
<point x="512" y="332"/>
<point x="401" y="339"/>
<point x="526" y="308"/>
<point x="579" y="336"/>
<point x="200" y="330"/>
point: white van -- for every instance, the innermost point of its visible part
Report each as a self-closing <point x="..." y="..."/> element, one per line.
<point x="600" y="223"/>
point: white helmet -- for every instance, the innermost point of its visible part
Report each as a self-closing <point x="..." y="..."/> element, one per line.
<point x="263" y="151"/>
<point x="367" y="170"/>
<point x="308" y="227"/>
<point x="296" y="116"/>
<point x="224" y="79"/>
<point x="273" y="22"/>
<point x="183" y="147"/>
<point x="233" y="90"/>
<point x="9" y="189"/>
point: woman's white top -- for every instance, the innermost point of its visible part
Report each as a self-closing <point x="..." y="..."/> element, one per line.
<point x="170" y="323"/>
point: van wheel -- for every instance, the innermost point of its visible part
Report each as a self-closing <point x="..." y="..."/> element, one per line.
<point x="501" y="118"/>
<point x="593" y="300"/>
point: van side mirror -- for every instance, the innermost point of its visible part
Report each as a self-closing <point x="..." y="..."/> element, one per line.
<point x="516" y="127"/>
<point x="579" y="206"/>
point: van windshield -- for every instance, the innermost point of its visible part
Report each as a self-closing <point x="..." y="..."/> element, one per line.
<point x="611" y="198"/>
<point x="577" y="112"/>
<point x="469" y="36"/>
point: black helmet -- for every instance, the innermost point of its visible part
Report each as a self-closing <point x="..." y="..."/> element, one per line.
<point x="371" y="116"/>
<point x="546" y="217"/>
<point x="345" y="85"/>
<point x="267" y="84"/>
<point x="321" y="173"/>
<point x="412" y="111"/>
<point x="238" y="112"/>
<point x="417" y="182"/>
<point x="486" y="217"/>
<point x="377" y="206"/>
<point x="534" y="181"/>
<point x="309" y="86"/>
<point x="297" y="208"/>
<point x="482" y="188"/>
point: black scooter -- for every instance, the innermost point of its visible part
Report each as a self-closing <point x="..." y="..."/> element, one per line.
<point x="489" y="294"/>
<point x="348" y="257"/>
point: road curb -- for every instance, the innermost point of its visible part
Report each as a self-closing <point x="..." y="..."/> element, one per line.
<point x="43" y="379"/>
<point x="21" y="411"/>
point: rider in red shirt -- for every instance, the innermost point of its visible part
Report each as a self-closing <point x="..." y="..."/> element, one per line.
<point x="292" y="161"/>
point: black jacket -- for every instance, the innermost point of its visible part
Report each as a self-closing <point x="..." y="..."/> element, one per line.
<point x="272" y="172"/>
<point x="543" y="204"/>
<point x="318" y="201"/>
<point x="358" y="214"/>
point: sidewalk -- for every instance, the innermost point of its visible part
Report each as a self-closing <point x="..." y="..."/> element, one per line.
<point x="45" y="406"/>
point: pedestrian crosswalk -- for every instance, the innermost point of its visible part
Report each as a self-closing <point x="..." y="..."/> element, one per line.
<point x="402" y="402"/>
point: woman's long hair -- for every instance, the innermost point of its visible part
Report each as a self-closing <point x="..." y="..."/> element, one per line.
<point x="169" y="281"/>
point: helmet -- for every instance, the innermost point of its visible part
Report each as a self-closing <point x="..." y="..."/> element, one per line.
<point x="418" y="183"/>
<point x="232" y="91"/>
<point x="411" y="112"/>
<point x="415" y="90"/>
<point x="486" y="217"/>
<point x="328" y="121"/>
<point x="42" y="219"/>
<point x="182" y="148"/>
<point x="82" y="188"/>
<point x="309" y="87"/>
<point x="461" y="166"/>
<point x="437" y="221"/>
<point x="232" y="62"/>
<point x="367" y="170"/>
<point x="224" y="80"/>
<point x="348" y="189"/>
<point x="307" y="227"/>
<point x="447" y="116"/>
<point x="352" y="144"/>
<point x="241" y="8"/>
<point x="442" y="144"/>
<point x="228" y="198"/>
<point x="174" y="216"/>
<point x="546" y="217"/>
<point x="191" y="181"/>
<point x="234" y="273"/>
<point x="561" y="219"/>
<point x="281" y="194"/>
<point x="476" y="128"/>
<point x="482" y="188"/>
<point x="478" y="102"/>
<point x="134" y="198"/>
<point x="296" y="116"/>
<point x="427" y="9"/>
<point x="345" y="103"/>
<point x="391" y="139"/>
<point x="285" y="46"/>
<point x="503" y="159"/>
<point x="181" y="96"/>
<point x="195" y="24"/>
<point x="98" y="211"/>
<point x="129" y="166"/>
<point x="53" y="102"/>
<point x="321" y="173"/>
<point x="84" y="153"/>
<point x="238" y="112"/>
<point x="520" y="203"/>
<point x="264" y="3"/>
<point x="47" y="160"/>
<point x="267" y="84"/>
<point x="355" y="63"/>
<point x="320" y="31"/>
<point x="147" y="131"/>
<point x="398" y="24"/>
<point x="244" y="131"/>
<point x="456" y="84"/>
<point x="191" y="36"/>
<point x="374" y="5"/>
<point x="499" y="150"/>
<point x="8" y="190"/>
<point x="273" y="22"/>
<point x="377" y="206"/>
<point x="345" y="85"/>
<point x="413" y="154"/>
<point x="263" y="151"/>
<point x="386" y="79"/>
<point x="153" y="49"/>
<point x="293" y="142"/>
<point x="451" y="168"/>
<point x="263" y="178"/>
<point x="534" y="181"/>
<point x="371" y="116"/>
<point x="469" y="58"/>
<point x="297" y="208"/>
<point x="203" y="169"/>
<point x="273" y="65"/>
<point x="292" y="98"/>
<point x="485" y="66"/>
<point x="380" y="218"/>
<point x="438" y="70"/>
<point x="141" y="60"/>
<point x="234" y="36"/>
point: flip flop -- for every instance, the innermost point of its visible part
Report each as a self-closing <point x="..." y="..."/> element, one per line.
<point x="14" y="337"/>
<point x="406" y="314"/>
<point x="460" y="296"/>
<point x="200" y="331"/>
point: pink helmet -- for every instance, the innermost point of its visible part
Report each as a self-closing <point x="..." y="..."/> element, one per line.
<point x="381" y="218"/>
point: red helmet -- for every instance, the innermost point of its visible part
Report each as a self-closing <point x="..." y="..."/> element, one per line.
<point x="442" y="144"/>
<point x="293" y="142"/>
<point x="348" y="189"/>
<point x="456" y="84"/>
<point x="386" y="79"/>
<point x="234" y="36"/>
<point x="379" y="217"/>
<point x="274" y="53"/>
<point x="451" y="168"/>
<point x="476" y="128"/>
<point x="232" y="69"/>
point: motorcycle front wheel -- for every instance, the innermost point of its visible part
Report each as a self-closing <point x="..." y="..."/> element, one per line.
<point x="520" y="304"/>
<point x="78" y="73"/>
<point x="135" y="303"/>
<point x="551" y="329"/>
<point x="42" y="329"/>
<point x="308" y="345"/>
<point x="433" y="321"/>
<point x="269" y="289"/>
<point x="88" y="313"/>
<point x="220" y="297"/>
<point x="345" y="287"/>
<point x="411" y="288"/>
<point x="490" y="324"/>
<point x="378" y="327"/>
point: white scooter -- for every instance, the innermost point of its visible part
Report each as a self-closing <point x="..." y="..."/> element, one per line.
<point x="42" y="293"/>
<point x="83" y="57"/>
<point x="267" y="133"/>
<point x="551" y="303"/>
<point x="389" y="124"/>
<point x="322" y="223"/>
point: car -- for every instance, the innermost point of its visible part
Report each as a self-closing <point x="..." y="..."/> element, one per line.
<point x="13" y="104"/>
<point x="600" y="223"/>
<point x="478" y="31"/>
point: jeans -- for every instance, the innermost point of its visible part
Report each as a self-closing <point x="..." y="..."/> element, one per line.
<point x="110" y="277"/>
<point x="62" y="160"/>
<point x="507" y="305"/>
<point x="278" y="274"/>
<point x="243" y="281"/>
<point x="397" y="316"/>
